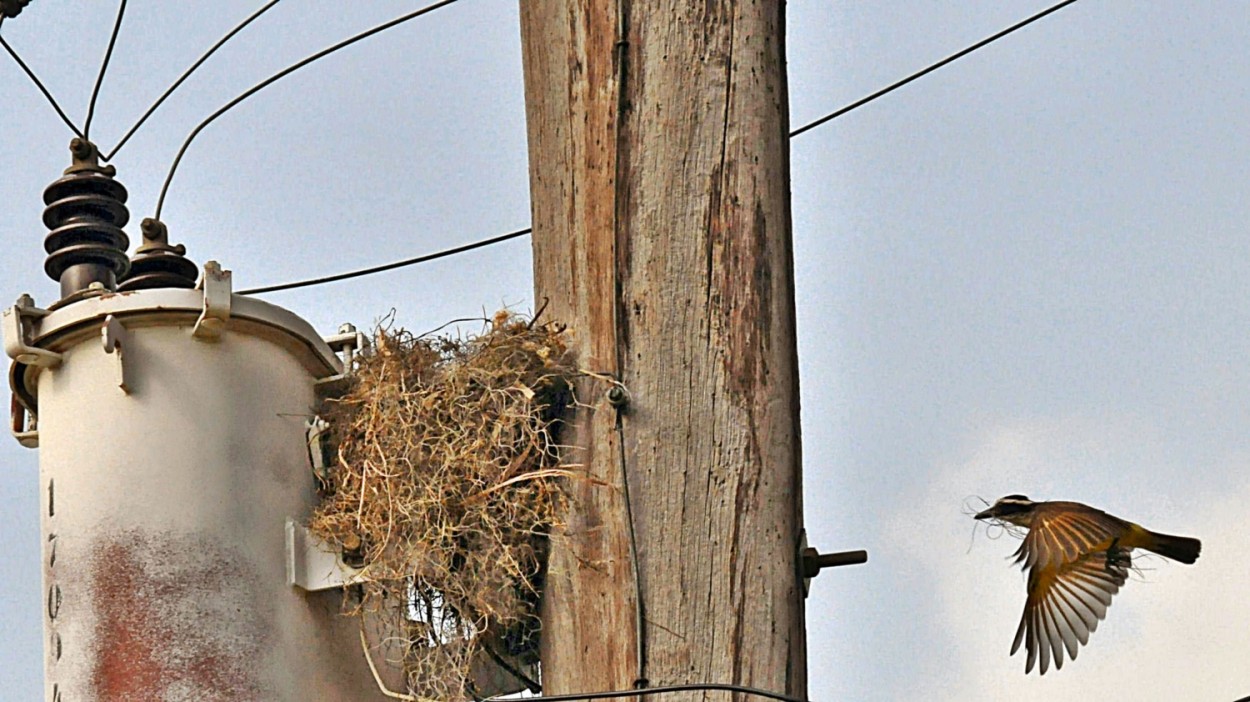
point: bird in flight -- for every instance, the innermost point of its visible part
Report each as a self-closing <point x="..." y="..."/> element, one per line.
<point x="1078" y="557"/>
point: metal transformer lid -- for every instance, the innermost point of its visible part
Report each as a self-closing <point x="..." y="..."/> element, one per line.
<point x="209" y="311"/>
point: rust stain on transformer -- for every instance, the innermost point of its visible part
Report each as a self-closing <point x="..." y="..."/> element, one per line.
<point x="174" y="620"/>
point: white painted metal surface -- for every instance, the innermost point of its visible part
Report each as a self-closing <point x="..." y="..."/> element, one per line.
<point x="312" y="564"/>
<point x="169" y="466"/>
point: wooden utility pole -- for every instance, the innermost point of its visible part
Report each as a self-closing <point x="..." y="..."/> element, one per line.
<point x="659" y="172"/>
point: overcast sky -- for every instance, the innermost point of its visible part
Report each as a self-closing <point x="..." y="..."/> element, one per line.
<point x="1023" y="273"/>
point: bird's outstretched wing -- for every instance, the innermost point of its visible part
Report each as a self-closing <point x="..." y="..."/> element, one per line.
<point x="1062" y="533"/>
<point x="1065" y="605"/>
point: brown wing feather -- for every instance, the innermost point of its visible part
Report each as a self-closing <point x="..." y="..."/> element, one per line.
<point x="1063" y="532"/>
<point x="1071" y="583"/>
<point x="1063" y="609"/>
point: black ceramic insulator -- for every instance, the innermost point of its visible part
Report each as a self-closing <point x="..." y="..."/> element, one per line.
<point x="86" y="212"/>
<point x="157" y="264"/>
<point x="161" y="270"/>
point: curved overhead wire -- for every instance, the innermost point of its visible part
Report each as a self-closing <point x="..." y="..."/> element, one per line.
<point x="39" y="84"/>
<point x="925" y="71"/>
<point x="160" y="203"/>
<point x="104" y="67"/>
<point x="811" y="125"/>
<point x="187" y="74"/>
<point x="388" y="266"/>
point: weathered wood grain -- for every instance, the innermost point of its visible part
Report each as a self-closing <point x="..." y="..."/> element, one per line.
<point x="660" y="183"/>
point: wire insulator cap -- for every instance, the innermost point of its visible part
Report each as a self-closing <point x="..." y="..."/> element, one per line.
<point x="156" y="264"/>
<point x="86" y="210"/>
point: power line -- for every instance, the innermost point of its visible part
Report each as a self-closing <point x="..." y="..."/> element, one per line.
<point x="389" y="266"/>
<point x="104" y="66"/>
<point x="160" y="203"/>
<point x="187" y="74"/>
<point x="811" y="125"/>
<point x="38" y="84"/>
<point x="919" y="74"/>
<point x="661" y="689"/>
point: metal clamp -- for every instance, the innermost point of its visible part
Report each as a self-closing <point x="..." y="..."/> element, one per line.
<point x="23" y="424"/>
<point x="15" y="322"/>
<point x="17" y="334"/>
<point x="347" y="343"/>
<point x="116" y="340"/>
<point x="215" y="283"/>
<point x="318" y="431"/>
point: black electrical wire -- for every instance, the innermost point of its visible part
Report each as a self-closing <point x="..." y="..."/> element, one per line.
<point x="919" y="74"/>
<point x="640" y="619"/>
<point x="662" y="689"/>
<point x="160" y="203"/>
<point x="389" y="266"/>
<point x="811" y="125"/>
<point x="39" y="84"/>
<point x="187" y="74"/>
<point x="104" y="67"/>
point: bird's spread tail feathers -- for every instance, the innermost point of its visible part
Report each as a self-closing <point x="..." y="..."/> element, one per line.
<point x="1178" y="548"/>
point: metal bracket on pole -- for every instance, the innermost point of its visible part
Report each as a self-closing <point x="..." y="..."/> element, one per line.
<point x="318" y="430"/>
<point x="15" y="324"/>
<point x="811" y="561"/>
<point x="215" y="283"/>
<point x="23" y="425"/>
<point x="116" y="340"/>
<point x="347" y="343"/>
<point x="17" y="333"/>
<point x="313" y="564"/>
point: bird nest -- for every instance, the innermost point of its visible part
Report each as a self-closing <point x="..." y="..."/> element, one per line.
<point x="446" y="487"/>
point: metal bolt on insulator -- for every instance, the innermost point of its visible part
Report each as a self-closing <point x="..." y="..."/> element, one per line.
<point x="157" y="264"/>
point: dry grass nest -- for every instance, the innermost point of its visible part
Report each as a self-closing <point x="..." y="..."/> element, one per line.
<point x="446" y="486"/>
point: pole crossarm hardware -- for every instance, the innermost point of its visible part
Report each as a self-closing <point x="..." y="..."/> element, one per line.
<point x="814" y="561"/>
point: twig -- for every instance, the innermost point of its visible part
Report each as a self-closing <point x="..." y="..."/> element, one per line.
<point x="364" y="646"/>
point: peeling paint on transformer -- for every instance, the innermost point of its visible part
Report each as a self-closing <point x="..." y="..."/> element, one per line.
<point x="160" y="601"/>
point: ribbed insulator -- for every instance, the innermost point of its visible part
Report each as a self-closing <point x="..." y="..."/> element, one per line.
<point x="156" y="264"/>
<point x="86" y="211"/>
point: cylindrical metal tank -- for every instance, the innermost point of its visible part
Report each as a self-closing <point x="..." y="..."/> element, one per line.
<point x="172" y="453"/>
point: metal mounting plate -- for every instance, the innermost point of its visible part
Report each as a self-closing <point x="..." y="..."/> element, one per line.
<point x="312" y="564"/>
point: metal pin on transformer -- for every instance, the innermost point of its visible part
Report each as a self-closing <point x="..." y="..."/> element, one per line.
<point x="170" y="418"/>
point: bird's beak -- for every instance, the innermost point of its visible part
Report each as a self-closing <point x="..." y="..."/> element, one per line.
<point x="985" y="514"/>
